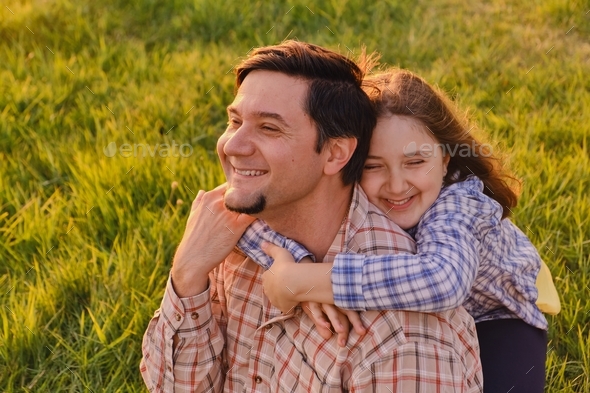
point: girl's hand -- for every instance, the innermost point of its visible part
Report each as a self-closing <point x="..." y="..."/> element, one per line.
<point x="287" y="283"/>
<point x="282" y="280"/>
<point x="330" y="319"/>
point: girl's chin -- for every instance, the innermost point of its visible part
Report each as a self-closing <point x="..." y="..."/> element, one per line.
<point x="402" y="221"/>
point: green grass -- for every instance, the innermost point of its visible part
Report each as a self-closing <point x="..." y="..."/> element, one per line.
<point x="86" y="240"/>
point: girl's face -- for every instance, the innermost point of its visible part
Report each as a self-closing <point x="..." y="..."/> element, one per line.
<point x="404" y="171"/>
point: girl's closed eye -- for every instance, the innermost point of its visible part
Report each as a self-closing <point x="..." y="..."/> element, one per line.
<point x="415" y="162"/>
<point x="369" y="167"/>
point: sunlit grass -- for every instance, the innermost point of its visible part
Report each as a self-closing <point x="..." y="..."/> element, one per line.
<point x="86" y="240"/>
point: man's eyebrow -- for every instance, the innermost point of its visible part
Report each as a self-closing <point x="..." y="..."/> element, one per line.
<point x="272" y="115"/>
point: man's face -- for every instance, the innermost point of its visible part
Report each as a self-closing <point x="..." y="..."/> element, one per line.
<point x="268" y="149"/>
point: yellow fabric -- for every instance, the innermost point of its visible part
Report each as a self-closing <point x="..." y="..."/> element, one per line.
<point x="548" y="300"/>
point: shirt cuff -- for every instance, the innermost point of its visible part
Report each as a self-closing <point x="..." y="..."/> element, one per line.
<point x="347" y="282"/>
<point x="297" y="250"/>
<point x="251" y="241"/>
<point x="185" y="315"/>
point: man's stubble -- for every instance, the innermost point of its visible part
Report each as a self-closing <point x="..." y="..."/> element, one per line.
<point x="255" y="208"/>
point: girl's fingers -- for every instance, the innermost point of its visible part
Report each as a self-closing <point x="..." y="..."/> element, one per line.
<point x="314" y="311"/>
<point x="339" y="322"/>
<point x="355" y="319"/>
<point x="276" y="252"/>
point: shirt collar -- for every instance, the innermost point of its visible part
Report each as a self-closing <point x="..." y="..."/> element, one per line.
<point x="355" y="219"/>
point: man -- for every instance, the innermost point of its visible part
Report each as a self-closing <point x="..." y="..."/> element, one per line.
<point x="298" y="134"/>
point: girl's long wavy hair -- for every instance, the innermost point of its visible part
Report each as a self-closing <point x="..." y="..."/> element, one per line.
<point x="400" y="92"/>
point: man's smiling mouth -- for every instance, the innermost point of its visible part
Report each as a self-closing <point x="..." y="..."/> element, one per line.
<point x="252" y="173"/>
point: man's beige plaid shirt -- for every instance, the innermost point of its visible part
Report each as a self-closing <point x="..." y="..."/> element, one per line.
<point x="233" y="340"/>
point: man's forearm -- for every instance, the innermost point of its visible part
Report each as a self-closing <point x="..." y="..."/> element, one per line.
<point x="188" y="284"/>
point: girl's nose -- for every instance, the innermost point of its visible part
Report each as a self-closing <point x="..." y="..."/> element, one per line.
<point x="397" y="184"/>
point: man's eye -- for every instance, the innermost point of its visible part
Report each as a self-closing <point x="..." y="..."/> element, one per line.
<point x="233" y="123"/>
<point x="269" y="128"/>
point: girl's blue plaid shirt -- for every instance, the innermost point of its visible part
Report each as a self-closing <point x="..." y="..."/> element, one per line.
<point x="466" y="255"/>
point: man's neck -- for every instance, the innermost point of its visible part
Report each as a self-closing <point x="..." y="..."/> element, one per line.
<point x="315" y="222"/>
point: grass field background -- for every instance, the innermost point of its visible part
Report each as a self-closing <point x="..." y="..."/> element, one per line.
<point x="86" y="240"/>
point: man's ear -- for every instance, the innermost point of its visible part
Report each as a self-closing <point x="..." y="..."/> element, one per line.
<point x="339" y="151"/>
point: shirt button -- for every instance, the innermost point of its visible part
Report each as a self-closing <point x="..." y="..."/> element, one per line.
<point x="268" y="327"/>
<point x="177" y="317"/>
<point x="258" y="379"/>
<point x="169" y="368"/>
<point x="195" y="315"/>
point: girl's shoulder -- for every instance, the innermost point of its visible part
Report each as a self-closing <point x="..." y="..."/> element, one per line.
<point x="472" y="188"/>
<point x="465" y="200"/>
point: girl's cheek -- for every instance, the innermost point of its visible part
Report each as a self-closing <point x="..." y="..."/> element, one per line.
<point x="369" y="184"/>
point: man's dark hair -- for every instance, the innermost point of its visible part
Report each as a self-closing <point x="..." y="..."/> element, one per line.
<point x="335" y="101"/>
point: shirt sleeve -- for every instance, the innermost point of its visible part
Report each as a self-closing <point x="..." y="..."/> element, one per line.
<point x="258" y="232"/>
<point x="440" y="276"/>
<point x="196" y="363"/>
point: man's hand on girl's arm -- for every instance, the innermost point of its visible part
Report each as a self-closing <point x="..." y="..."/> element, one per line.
<point x="287" y="283"/>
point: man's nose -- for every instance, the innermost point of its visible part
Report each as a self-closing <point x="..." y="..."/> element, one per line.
<point x="239" y="142"/>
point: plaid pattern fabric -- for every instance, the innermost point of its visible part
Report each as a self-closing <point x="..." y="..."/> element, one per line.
<point x="462" y="243"/>
<point x="233" y="340"/>
<point x="259" y="231"/>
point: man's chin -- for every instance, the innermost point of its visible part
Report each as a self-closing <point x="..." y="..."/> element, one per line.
<point x="254" y="207"/>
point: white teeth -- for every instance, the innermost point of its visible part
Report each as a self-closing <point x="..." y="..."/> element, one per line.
<point x="398" y="202"/>
<point x="249" y="173"/>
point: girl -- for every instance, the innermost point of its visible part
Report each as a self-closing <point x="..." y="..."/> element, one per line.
<point x="429" y="175"/>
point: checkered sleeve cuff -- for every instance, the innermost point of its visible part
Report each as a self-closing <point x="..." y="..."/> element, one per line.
<point x="347" y="281"/>
<point x="185" y="315"/>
